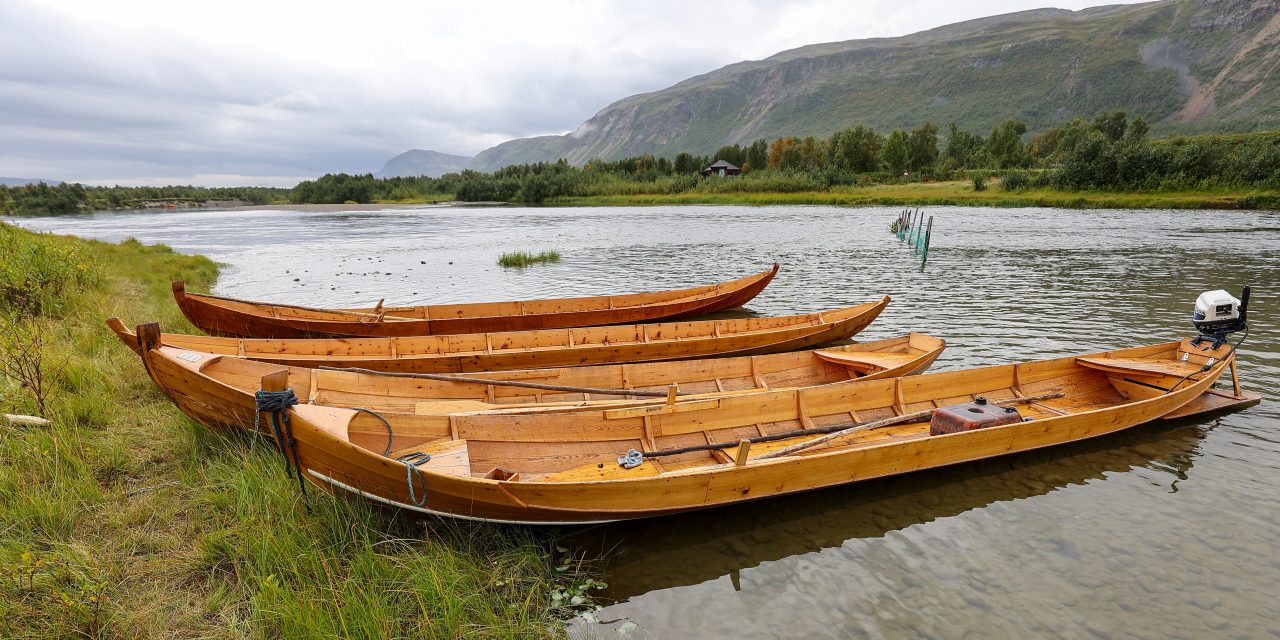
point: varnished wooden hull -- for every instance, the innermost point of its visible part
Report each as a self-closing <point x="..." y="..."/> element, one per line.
<point x="552" y="347"/>
<point x="228" y="317"/>
<point x="559" y="468"/>
<point x="218" y="391"/>
<point x="332" y="461"/>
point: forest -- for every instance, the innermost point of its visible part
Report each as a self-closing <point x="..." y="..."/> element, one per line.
<point x="1108" y="153"/>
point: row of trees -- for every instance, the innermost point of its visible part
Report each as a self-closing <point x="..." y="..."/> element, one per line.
<point x="43" y="199"/>
<point x="1109" y="152"/>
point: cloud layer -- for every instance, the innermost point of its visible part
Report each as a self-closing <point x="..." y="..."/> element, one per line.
<point x="239" y="92"/>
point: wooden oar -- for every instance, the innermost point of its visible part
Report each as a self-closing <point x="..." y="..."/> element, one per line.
<point x="670" y="393"/>
<point x="908" y="417"/>
<point x="836" y="431"/>
<point x="344" y="312"/>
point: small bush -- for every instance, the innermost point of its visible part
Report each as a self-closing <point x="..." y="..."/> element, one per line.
<point x="979" y="182"/>
<point x="526" y="258"/>
<point x="37" y="272"/>
<point x="1015" y="181"/>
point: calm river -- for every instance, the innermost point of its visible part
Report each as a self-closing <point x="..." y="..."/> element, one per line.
<point x="1167" y="531"/>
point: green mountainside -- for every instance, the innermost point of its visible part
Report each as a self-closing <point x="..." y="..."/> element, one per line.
<point x="1186" y="66"/>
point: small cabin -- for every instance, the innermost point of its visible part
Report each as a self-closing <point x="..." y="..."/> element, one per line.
<point x="721" y="168"/>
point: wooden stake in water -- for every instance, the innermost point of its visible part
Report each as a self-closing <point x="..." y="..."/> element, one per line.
<point x="924" y="257"/>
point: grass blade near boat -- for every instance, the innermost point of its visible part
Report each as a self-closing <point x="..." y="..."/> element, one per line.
<point x="551" y="347"/>
<point x="229" y="317"/>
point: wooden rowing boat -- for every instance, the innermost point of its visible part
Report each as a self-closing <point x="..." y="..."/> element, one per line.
<point x="233" y="381"/>
<point x="551" y="347"/>
<point x="219" y="316"/>
<point x="538" y="466"/>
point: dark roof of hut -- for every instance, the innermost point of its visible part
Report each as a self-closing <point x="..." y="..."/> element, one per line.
<point x="721" y="164"/>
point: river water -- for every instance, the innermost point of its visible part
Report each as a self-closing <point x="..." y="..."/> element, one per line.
<point x="1166" y="531"/>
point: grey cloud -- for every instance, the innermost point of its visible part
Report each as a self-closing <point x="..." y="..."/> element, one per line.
<point x="149" y="97"/>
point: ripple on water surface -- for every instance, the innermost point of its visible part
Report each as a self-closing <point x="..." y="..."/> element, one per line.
<point x="1164" y="531"/>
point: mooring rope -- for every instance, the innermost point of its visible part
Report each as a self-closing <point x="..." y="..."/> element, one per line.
<point x="410" y="460"/>
<point x="276" y="404"/>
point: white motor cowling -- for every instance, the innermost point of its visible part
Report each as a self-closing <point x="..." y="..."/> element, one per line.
<point x="1219" y="313"/>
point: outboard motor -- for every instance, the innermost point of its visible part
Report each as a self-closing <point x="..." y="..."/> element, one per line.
<point x="1219" y="314"/>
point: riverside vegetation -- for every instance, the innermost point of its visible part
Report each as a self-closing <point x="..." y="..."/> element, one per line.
<point x="1107" y="162"/>
<point x="527" y="258"/>
<point x="122" y="518"/>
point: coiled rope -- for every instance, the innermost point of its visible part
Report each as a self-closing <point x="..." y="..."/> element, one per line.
<point x="410" y="460"/>
<point x="276" y="404"/>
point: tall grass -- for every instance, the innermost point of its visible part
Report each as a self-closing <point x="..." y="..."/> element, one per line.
<point x="125" y="519"/>
<point x="527" y="258"/>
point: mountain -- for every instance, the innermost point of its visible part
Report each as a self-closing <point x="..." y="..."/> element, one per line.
<point x="1184" y="65"/>
<point x="422" y="162"/>
<point x="18" y="182"/>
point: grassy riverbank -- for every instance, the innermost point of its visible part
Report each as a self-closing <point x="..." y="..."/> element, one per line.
<point x="125" y="519"/>
<point x="958" y="194"/>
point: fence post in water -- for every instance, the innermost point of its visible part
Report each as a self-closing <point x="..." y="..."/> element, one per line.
<point x="924" y="257"/>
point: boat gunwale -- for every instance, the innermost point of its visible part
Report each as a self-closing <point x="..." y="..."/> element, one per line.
<point x="1212" y="376"/>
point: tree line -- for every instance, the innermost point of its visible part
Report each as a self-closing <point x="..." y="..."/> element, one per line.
<point x="1111" y="151"/>
<point x="44" y="199"/>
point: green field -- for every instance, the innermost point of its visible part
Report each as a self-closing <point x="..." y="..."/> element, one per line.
<point x="958" y="193"/>
<point x="125" y="519"/>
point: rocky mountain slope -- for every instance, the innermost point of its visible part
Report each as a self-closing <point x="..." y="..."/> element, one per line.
<point x="422" y="162"/>
<point x="1184" y="65"/>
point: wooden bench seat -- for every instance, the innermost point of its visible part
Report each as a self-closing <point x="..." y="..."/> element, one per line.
<point x="1141" y="366"/>
<point x="869" y="361"/>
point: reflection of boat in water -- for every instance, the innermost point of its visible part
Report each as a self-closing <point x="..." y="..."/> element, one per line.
<point x="696" y="547"/>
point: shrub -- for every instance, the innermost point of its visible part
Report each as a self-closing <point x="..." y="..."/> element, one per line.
<point x="37" y="272"/>
<point x="1015" y="181"/>
<point x="979" y="182"/>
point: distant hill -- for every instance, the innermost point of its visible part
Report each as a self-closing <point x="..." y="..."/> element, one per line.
<point x="1184" y="65"/>
<point x="18" y="182"/>
<point x="422" y="162"/>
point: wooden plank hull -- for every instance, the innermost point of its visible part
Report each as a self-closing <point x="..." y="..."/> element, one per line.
<point x="551" y="347"/>
<point x="218" y="316"/>
<point x="227" y="384"/>
<point x="332" y="461"/>
<point x="534" y="467"/>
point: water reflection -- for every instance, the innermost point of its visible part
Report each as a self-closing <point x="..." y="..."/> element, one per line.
<point x="1165" y="531"/>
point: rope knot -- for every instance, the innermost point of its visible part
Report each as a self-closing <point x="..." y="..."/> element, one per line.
<point x="274" y="401"/>
<point x="276" y="405"/>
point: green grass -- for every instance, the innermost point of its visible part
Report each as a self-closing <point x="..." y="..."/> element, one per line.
<point x="425" y="198"/>
<point x="527" y="258"/>
<point x="957" y="193"/>
<point x="125" y="519"/>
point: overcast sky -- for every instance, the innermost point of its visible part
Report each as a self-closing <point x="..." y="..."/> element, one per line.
<point x="268" y="92"/>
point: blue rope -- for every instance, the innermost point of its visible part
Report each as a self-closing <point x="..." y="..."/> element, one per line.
<point x="411" y="460"/>
<point x="276" y="404"/>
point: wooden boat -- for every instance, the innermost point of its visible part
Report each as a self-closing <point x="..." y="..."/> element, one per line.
<point x="538" y="466"/>
<point x="234" y="381"/>
<point x="551" y="347"/>
<point x="219" y="316"/>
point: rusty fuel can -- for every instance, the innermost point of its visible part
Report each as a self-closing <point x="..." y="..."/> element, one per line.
<point x="978" y="414"/>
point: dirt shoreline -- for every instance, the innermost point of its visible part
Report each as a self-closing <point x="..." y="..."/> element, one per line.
<point x="322" y="208"/>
